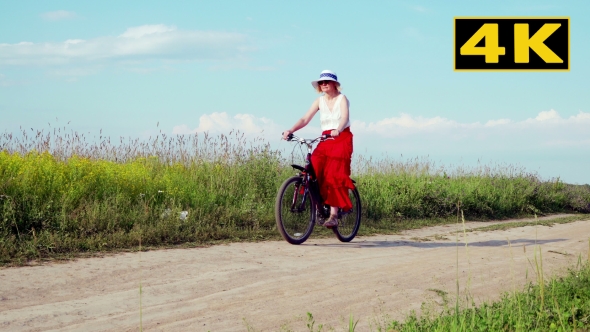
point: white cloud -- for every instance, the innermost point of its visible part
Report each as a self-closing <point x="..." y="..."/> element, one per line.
<point x="548" y="129"/>
<point x="144" y="30"/>
<point x="546" y="132"/>
<point x="247" y="124"/>
<point x="581" y="117"/>
<point x="499" y="122"/>
<point x="58" y="15"/>
<point x="551" y="115"/>
<point x="147" y="42"/>
<point x="222" y="123"/>
<point x="406" y="125"/>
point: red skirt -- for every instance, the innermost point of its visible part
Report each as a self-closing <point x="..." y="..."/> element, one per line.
<point x="331" y="162"/>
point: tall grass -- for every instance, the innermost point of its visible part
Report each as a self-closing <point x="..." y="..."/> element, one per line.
<point x="559" y="304"/>
<point x="418" y="189"/>
<point x="62" y="193"/>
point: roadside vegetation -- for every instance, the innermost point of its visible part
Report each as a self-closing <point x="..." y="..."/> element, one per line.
<point x="64" y="194"/>
<point x="560" y="304"/>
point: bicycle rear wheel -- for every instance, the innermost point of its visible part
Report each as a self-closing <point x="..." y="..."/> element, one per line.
<point x="294" y="211"/>
<point x="349" y="221"/>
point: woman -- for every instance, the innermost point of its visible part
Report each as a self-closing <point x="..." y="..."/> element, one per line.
<point x="331" y="158"/>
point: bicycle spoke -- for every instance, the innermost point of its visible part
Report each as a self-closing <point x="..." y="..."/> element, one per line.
<point x="293" y="212"/>
<point x="349" y="221"/>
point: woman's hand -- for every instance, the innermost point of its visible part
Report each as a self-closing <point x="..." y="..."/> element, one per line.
<point x="335" y="133"/>
<point x="286" y="134"/>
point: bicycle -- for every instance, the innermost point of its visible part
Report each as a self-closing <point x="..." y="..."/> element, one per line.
<point x="299" y="205"/>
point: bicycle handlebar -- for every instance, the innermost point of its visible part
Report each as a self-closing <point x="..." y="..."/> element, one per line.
<point x="292" y="137"/>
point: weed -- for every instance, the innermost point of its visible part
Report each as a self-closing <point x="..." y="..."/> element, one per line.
<point x="352" y="324"/>
<point x="311" y="324"/>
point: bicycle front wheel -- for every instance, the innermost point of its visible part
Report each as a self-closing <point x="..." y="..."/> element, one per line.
<point x="349" y="221"/>
<point x="294" y="211"/>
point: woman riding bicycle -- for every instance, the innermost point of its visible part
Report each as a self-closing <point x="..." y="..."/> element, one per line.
<point x="331" y="158"/>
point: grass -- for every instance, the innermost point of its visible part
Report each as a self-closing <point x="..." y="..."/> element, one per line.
<point x="63" y="194"/>
<point x="559" y="304"/>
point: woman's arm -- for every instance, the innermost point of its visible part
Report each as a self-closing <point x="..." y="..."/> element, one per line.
<point x="343" y="117"/>
<point x="315" y="106"/>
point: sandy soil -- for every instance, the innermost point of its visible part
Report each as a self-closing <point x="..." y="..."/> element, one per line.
<point x="271" y="286"/>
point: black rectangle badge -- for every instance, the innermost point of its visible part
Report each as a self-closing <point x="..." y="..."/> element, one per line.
<point x="512" y="43"/>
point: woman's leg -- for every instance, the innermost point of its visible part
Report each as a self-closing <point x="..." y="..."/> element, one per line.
<point x="333" y="211"/>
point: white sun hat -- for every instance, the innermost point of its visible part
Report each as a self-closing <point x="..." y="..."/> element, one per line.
<point x="326" y="75"/>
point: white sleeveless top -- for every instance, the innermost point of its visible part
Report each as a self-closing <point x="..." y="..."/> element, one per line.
<point x="331" y="119"/>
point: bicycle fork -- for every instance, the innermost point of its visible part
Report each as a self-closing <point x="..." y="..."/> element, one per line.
<point x="299" y="206"/>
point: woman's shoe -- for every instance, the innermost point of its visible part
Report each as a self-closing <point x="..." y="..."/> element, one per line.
<point x="332" y="222"/>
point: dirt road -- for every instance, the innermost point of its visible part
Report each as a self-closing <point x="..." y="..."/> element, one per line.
<point x="271" y="286"/>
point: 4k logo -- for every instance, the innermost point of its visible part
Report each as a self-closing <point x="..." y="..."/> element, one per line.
<point x="515" y="43"/>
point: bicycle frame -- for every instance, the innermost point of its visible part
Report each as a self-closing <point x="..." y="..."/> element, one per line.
<point x="309" y="180"/>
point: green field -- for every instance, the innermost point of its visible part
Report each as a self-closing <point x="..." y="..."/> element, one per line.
<point x="61" y="195"/>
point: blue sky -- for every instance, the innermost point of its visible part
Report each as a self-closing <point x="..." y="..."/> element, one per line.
<point x="124" y="66"/>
